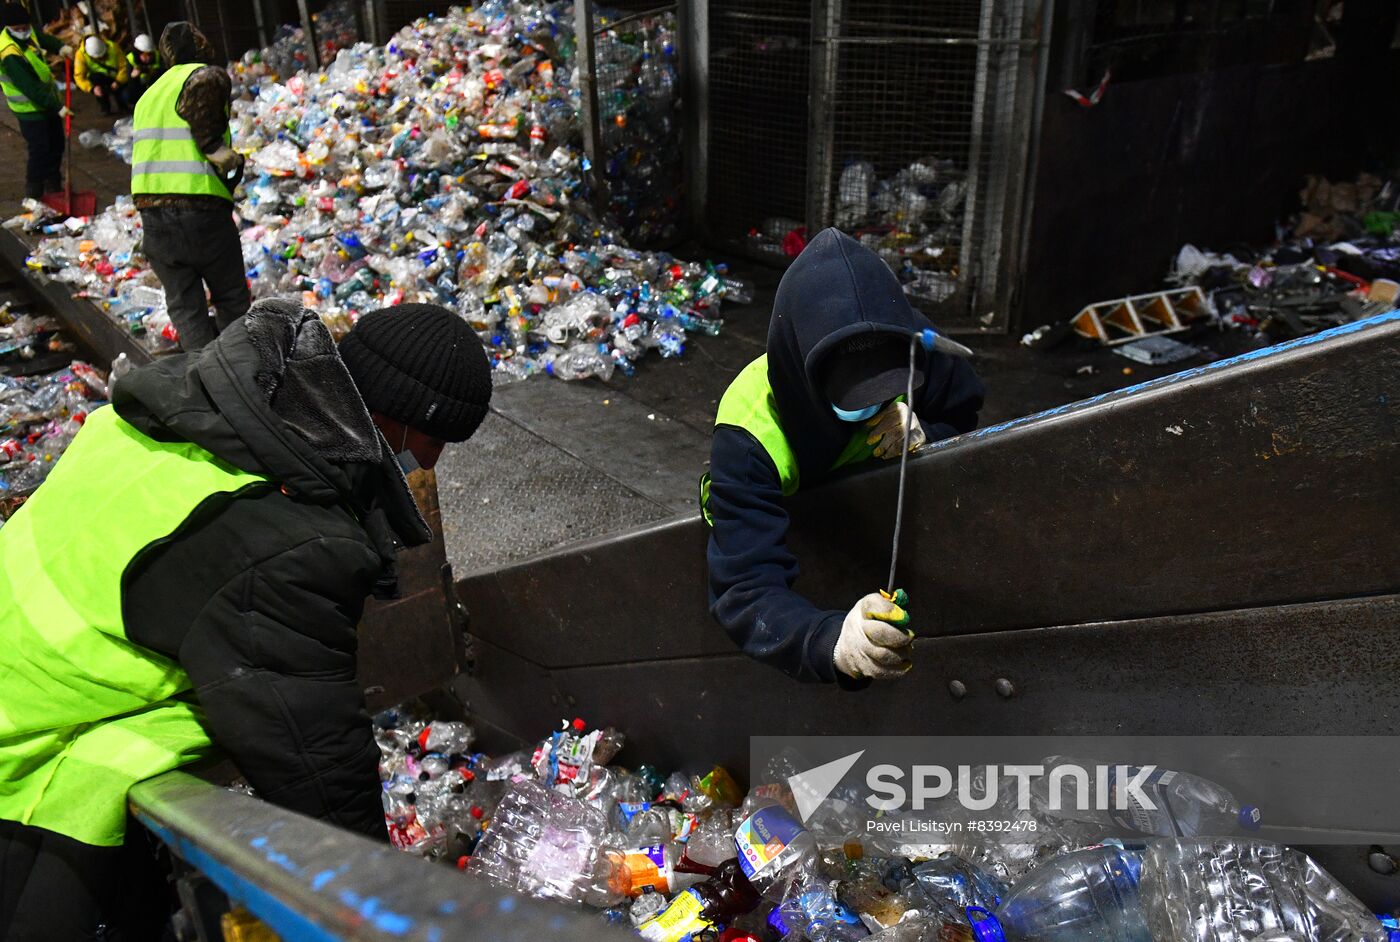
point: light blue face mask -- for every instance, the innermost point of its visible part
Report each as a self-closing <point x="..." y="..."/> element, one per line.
<point x="860" y="415"/>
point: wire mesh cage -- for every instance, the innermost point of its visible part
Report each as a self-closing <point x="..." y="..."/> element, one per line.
<point x="909" y="129"/>
<point x="759" y="68"/>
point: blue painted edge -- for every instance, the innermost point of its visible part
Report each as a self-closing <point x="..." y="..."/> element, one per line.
<point x="287" y="922"/>
<point x="1183" y="376"/>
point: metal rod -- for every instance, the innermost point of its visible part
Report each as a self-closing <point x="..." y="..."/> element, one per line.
<point x="903" y="463"/>
<point x="313" y="56"/>
<point x="821" y="108"/>
<point x="588" y="101"/>
<point x="639" y="15"/>
<point x="310" y="880"/>
<point x="261" y="23"/>
<point x="694" y="28"/>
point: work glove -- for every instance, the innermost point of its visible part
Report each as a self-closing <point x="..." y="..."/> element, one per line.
<point x="97" y="91"/>
<point x="887" y="431"/>
<point x="65" y="51"/>
<point x="64" y="112"/>
<point x="874" y="642"/>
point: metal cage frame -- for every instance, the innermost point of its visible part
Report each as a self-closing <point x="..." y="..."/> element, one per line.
<point x="1010" y="40"/>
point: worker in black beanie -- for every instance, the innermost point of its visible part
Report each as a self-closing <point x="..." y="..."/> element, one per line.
<point x="248" y="499"/>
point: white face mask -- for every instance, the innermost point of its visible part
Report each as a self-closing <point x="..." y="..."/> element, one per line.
<point x="408" y="461"/>
<point x="20" y="32"/>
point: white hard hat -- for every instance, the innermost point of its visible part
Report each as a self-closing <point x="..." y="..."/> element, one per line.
<point x="95" y="47"/>
<point x="144" y="44"/>
<point x="83" y="8"/>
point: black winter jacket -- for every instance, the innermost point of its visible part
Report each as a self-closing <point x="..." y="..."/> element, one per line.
<point x="834" y="290"/>
<point x="257" y="595"/>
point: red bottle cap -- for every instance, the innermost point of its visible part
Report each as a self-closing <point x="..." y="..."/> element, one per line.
<point x="468" y="775"/>
<point x="462" y="862"/>
<point x="578" y="725"/>
<point x="476" y="812"/>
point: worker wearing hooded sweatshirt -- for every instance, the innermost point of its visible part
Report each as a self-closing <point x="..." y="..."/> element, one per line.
<point x="143" y="64"/>
<point x="100" y="70"/>
<point x="27" y="82"/>
<point x="192" y="573"/>
<point x="184" y="172"/>
<point x="828" y="394"/>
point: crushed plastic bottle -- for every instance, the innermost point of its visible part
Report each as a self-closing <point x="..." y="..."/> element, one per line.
<point x="1232" y="891"/>
<point x="544" y="843"/>
<point x="773" y="848"/>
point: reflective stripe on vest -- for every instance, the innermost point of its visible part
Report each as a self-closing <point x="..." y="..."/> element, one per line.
<point x="164" y="156"/>
<point x="749" y="404"/>
<point x="84" y="712"/>
<point x="18" y="101"/>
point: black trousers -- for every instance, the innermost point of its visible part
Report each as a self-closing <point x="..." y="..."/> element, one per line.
<point x="189" y="249"/>
<point x="111" y="98"/>
<point x="56" y="889"/>
<point x="43" y="136"/>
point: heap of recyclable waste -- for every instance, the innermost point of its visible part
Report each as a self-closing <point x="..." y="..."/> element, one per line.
<point x="442" y="167"/>
<point x="39" y="415"/>
<point x="912" y="218"/>
<point x="693" y="857"/>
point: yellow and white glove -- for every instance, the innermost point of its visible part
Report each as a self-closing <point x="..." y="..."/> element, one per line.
<point x="874" y="642"/>
<point x="65" y="52"/>
<point x="887" y="431"/>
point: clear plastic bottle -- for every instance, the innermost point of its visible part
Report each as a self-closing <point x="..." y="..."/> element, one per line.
<point x="774" y="849"/>
<point x="1186" y="805"/>
<point x="543" y="843"/>
<point x="948" y="884"/>
<point x="1232" y="891"/>
<point x="1088" y="896"/>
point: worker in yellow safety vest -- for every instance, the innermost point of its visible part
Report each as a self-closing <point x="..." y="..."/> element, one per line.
<point x="100" y="70"/>
<point x="190" y="576"/>
<point x="184" y="173"/>
<point x="828" y="395"/>
<point x="144" y="66"/>
<point x="30" y="92"/>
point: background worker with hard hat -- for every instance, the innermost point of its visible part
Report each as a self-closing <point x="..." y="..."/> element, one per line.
<point x="28" y="86"/>
<point x="144" y="66"/>
<point x="100" y="70"/>
<point x="183" y="175"/>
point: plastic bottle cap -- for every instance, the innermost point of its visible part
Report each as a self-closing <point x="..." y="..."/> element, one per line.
<point x="476" y="812"/>
<point x="1250" y="818"/>
<point x="578" y="725"/>
<point x="985" y="926"/>
<point x="462" y="862"/>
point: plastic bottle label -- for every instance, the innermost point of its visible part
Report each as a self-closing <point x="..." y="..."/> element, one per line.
<point x="679" y="922"/>
<point x="763" y="836"/>
<point x="648" y="870"/>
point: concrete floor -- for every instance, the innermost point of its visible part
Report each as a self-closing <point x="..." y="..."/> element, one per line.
<point x="560" y="462"/>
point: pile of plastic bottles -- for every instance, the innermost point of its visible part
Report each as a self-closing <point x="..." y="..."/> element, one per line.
<point x="336" y="29"/>
<point x="443" y="168"/>
<point x="39" y="415"/>
<point x="913" y="219"/>
<point x="100" y="259"/>
<point x="689" y="857"/>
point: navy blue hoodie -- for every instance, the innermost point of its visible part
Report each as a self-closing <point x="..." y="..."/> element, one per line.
<point x="835" y="289"/>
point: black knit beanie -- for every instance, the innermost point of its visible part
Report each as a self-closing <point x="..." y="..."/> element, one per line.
<point x="421" y="365"/>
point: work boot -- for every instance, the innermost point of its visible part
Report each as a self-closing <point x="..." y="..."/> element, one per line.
<point x="53" y="185"/>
